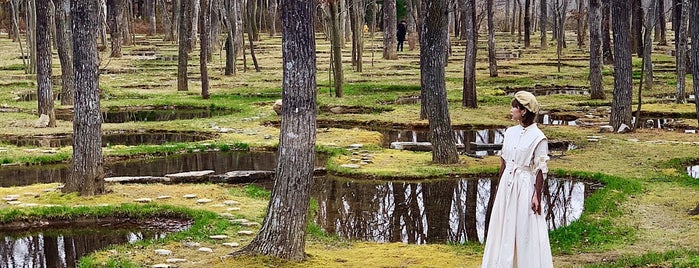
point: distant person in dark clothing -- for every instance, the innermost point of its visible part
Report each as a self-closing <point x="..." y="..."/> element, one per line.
<point x="401" y="35"/>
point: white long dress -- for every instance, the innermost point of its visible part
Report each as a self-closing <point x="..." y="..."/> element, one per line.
<point x="518" y="237"/>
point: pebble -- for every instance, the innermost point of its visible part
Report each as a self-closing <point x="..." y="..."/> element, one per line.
<point x="245" y="232"/>
<point x="230" y="202"/>
<point x="175" y="260"/>
<point x="164" y="197"/>
<point x="190" y="244"/>
<point x="205" y="249"/>
<point x="161" y="265"/>
<point x="143" y="200"/>
<point x="231" y="244"/>
<point x="189" y="196"/>
<point x="218" y="237"/>
<point x="233" y="209"/>
<point x="203" y="201"/>
<point x="163" y="252"/>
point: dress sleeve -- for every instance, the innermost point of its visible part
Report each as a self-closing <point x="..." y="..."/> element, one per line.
<point x="541" y="158"/>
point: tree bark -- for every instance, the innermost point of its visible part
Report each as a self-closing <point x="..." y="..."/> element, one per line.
<point x="64" y="39"/>
<point x="390" y="40"/>
<point x="150" y="13"/>
<point x="621" y="103"/>
<point x="30" y="20"/>
<point x="596" y="88"/>
<point x="336" y="42"/>
<point x="469" y="98"/>
<point x="272" y="17"/>
<point x="165" y="20"/>
<point x="115" y="18"/>
<point x="228" y="13"/>
<point x="681" y="54"/>
<point x="250" y="24"/>
<point x="87" y="173"/>
<point x="694" y="22"/>
<point x="607" y="55"/>
<point x="636" y="27"/>
<point x="648" y="46"/>
<point x="204" y="26"/>
<point x="103" y="22"/>
<point x="527" y="23"/>
<point x="357" y="18"/>
<point x="43" y="67"/>
<point x="660" y="27"/>
<point x="542" y="24"/>
<point x="492" y="61"/>
<point x="184" y="43"/>
<point x="283" y="231"/>
<point x="432" y="62"/>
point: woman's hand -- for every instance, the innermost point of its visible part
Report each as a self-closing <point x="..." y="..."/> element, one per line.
<point x="536" y="206"/>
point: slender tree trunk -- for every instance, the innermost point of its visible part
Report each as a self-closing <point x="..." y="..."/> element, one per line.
<point x="514" y="16"/>
<point x="43" y="70"/>
<point x="150" y="13"/>
<point x="621" y="103"/>
<point x="542" y="24"/>
<point x="64" y="39"/>
<point x="648" y="47"/>
<point x="681" y="55"/>
<point x="272" y="17"/>
<point x="228" y="13"/>
<point x="607" y="55"/>
<point x="432" y="63"/>
<point x="283" y="230"/>
<point x="336" y="41"/>
<point x="412" y="24"/>
<point x="357" y="18"/>
<point x="115" y="10"/>
<point x="16" y="27"/>
<point x="694" y="26"/>
<point x="660" y="27"/>
<point x="596" y="85"/>
<point x="580" y="18"/>
<point x="469" y="98"/>
<point x="30" y="20"/>
<point x="492" y="61"/>
<point x="194" y="23"/>
<point x="250" y="19"/>
<point x="87" y="173"/>
<point x="126" y="21"/>
<point x="214" y="28"/>
<point x="165" y="19"/>
<point x="507" y="16"/>
<point x="636" y="26"/>
<point x="527" y="23"/>
<point x="184" y="43"/>
<point x="204" y="26"/>
<point x="174" y="30"/>
<point x="102" y="20"/>
<point x="389" y="30"/>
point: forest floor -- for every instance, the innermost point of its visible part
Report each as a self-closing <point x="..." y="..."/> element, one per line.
<point x="621" y="227"/>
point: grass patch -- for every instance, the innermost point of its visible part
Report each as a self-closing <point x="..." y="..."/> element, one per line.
<point x="680" y="258"/>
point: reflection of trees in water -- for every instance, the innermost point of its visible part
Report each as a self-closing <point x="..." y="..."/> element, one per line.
<point x="60" y="250"/>
<point x="426" y="212"/>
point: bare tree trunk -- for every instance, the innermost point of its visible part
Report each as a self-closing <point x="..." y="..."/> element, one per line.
<point x="229" y="14"/>
<point x="648" y="47"/>
<point x="30" y="20"/>
<point x="283" y="230"/>
<point x="527" y="23"/>
<point x="336" y="42"/>
<point x="389" y="30"/>
<point x="272" y="17"/>
<point x="165" y="19"/>
<point x="694" y="26"/>
<point x="519" y="21"/>
<point x="492" y="61"/>
<point x="43" y="70"/>
<point x="214" y="28"/>
<point x="115" y="9"/>
<point x="16" y="27"/>
<point x="102" y="20"/>
<point x="580" y="21"/>
<point x="542" y="24"/>
<point x="596" y="85"/>
<point x="636" y="26"/>
<point x="174" y="30"/>
<point x="469" y="98"/>
<point x="507" y="16"/>
<point x="357" y="19"/>
<point x="204" y="26"/>
<point x="152" y="27"/>
<point x="607" y="55"/>
<point x="514" y="16"/>
<point x="250" y="22"/>
<point x="184" y="43"/>
<point x="412" y="24"/>
<point x="64" y="39"/>
<point x="660" y="27"/>
<point x="52" y="24"/>
<point x="194" y="23"/>
<point x="126" y="21"/>
<point x="87" y="173"/>
<point x="621" y="103"/>
<point x="681" y="55"/>
<point x="432" y="63"/>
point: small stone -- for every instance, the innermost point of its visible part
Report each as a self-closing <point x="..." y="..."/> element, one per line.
<point x="267" y="136"/>
<point x="164" y="197"/>
<point x="189" y="196"/>
<point x="163" y="252"/>
<point x="230" y="202"/>
<point x="240" y="220"/>
<point x="205" y="249"/>
<point x="245" y="232"/>
<point x="226" y="215"/>
<point x="203" y="201"/>
<point x="606" y="129"/>
<point x="14" y="202"/>
<point x="175" y="260"/>
<point x="351" y="166"/>
<point x="143" y="200"/>
<point x="218" y="205"/>
<point x="218" y="237"/>
<point x="690" y="131"/>
<point x="233" y="209"/>
<point x="249" y="224"/>
<point x="35" y="195"/>
<point x="231" y="244"/>
<point x="190" y="244"/>
<point x="28" y="205"/>
<point x="10" y="198"/>
<point x="161" y="265"/>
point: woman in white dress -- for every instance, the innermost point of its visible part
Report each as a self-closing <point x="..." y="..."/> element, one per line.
<point x="517" y="233"/>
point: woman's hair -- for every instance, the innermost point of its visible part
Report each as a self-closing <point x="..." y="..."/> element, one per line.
<point x="529" y="117"/>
